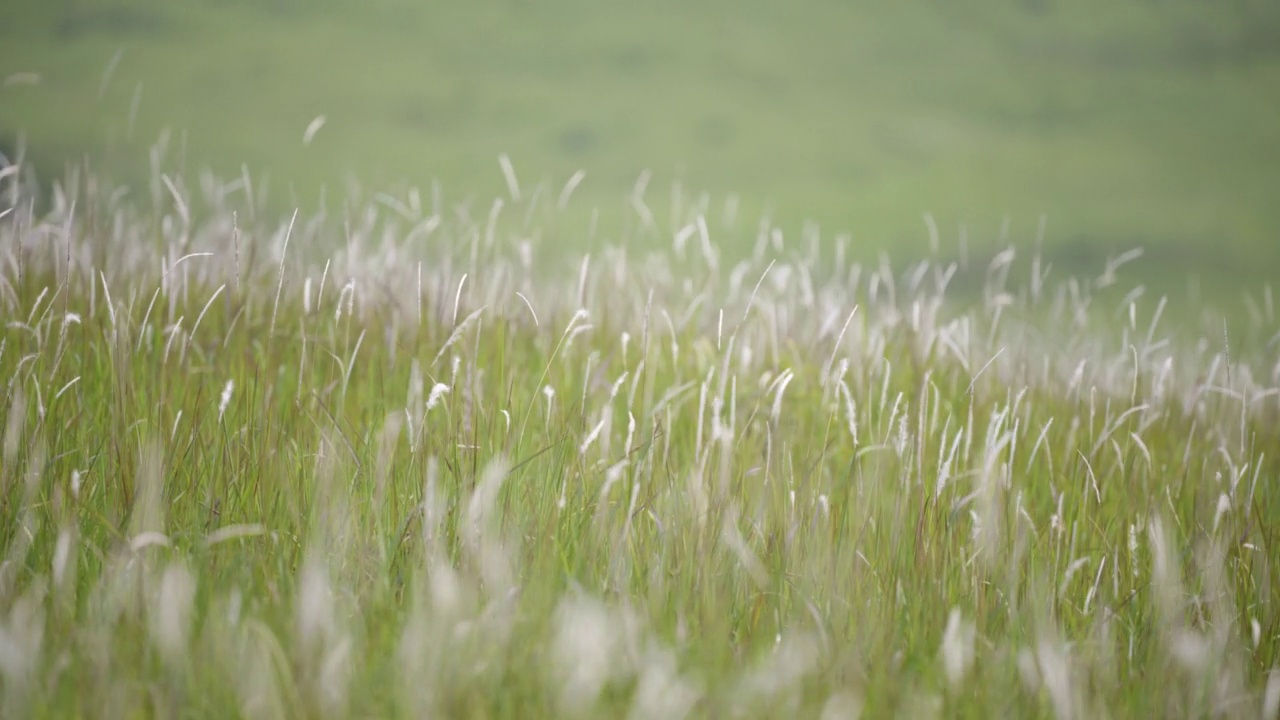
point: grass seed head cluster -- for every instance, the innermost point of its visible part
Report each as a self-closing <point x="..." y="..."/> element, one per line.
<point x="397" y="459"/>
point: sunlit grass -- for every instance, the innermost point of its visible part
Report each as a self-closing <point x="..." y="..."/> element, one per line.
<point x="399" y="460"/>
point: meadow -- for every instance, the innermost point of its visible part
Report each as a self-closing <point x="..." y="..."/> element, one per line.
<point x="404" y="457"/>
<point x="1121" y="125"/>
<point x="836" y="361"/>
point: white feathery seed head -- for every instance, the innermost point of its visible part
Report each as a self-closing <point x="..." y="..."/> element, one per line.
<point x="225" y="400"/>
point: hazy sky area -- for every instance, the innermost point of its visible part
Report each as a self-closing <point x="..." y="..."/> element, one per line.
<point x="1122" y="123"/>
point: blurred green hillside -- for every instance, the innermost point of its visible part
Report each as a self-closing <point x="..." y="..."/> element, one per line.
<point x="1124" y="123"/>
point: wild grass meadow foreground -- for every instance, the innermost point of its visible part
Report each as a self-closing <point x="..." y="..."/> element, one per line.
<point x="399" y="459"/>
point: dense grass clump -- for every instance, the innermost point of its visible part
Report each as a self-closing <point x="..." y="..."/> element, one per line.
<point x="395" y="460"/>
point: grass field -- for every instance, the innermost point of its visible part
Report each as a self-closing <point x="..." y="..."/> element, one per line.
<point x="1123" y="124"/>
<point x="402" y="459"/>
<point x="790" y="361"/>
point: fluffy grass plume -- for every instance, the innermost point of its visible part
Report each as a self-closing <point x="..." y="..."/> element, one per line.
<point x="396" y="460"/>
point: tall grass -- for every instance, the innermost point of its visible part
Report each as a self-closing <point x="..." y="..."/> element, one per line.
<point x="403" y="459"/>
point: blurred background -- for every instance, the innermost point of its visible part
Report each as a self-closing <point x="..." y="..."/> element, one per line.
<point x="1123" y="123"/>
